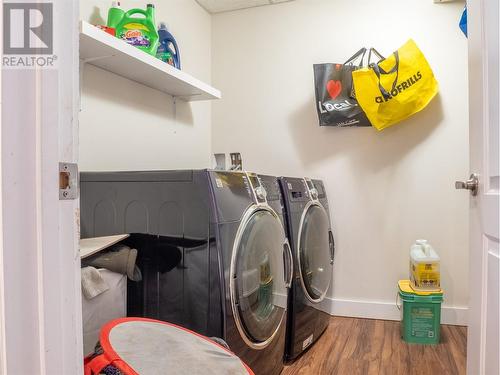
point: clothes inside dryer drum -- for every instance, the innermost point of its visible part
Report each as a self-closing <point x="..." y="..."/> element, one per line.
<point x="261" y="292"/>
<point x="314" y="252"/>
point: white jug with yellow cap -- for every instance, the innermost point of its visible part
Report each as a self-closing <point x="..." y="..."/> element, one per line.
<point x="424" y="267"/>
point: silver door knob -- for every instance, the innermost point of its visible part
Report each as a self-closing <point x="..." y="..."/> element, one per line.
<point x="471" y="184"/>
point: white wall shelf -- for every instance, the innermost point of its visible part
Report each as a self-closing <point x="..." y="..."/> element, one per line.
<point x="112" y="54"/>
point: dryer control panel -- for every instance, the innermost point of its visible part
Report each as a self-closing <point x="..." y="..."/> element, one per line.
<point x="320" y="188"/>
<point x="296" y="189"/>
<point x="313" y="192"/>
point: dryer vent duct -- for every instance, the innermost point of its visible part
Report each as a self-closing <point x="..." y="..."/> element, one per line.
<point x="218" y="6"/>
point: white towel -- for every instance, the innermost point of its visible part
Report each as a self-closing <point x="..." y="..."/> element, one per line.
<point x="92" y="283"/>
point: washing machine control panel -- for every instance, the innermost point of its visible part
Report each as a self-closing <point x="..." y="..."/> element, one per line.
<point x="261" y="193"/>
<point x="256" y="189"/>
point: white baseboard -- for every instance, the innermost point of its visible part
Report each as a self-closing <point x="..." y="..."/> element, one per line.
<point x="454" y="315"/>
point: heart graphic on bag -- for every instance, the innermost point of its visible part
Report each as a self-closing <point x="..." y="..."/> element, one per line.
<point x="334" y="88"/>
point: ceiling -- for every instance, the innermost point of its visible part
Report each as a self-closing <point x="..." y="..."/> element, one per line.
<point x="218" y="6"/>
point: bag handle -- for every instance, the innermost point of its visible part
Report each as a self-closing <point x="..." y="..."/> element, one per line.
<point x="375" y="52"/>
<point x="361" y="53"/>
<point x="379" y="71"/>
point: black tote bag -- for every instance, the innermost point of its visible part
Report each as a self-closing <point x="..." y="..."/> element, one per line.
<point x="336" y="102"/>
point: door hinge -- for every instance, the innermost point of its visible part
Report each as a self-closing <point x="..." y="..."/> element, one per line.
<point x="68" y="181"/>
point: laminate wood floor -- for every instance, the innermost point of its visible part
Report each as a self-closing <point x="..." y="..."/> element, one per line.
<point x="351" y="346"/>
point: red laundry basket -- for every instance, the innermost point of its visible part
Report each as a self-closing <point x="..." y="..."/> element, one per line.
<point x="133" y="346"/>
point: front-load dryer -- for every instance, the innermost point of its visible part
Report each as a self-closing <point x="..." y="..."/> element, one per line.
<point x="212" y="250"/>
<point x="311" y="239"/>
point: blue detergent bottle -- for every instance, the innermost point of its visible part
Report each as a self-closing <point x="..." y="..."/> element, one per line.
<point x="167" y="49"/>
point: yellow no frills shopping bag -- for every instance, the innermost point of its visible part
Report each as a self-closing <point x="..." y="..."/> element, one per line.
<point x="396" y="87"/>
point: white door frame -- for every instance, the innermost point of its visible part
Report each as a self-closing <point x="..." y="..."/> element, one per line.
<point x="483" y="335"/>
<point x="3" y="366"/>
<point x="40" y="261"/>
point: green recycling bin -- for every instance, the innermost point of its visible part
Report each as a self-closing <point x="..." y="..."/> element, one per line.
<point x="420" y="314"/>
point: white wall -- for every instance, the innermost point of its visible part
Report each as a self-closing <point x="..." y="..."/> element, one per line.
<point x="385" y="189"/>
<point x="127" y="126"/>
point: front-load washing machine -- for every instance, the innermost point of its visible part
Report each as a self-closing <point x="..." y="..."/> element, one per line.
<point x="311" y="239"/>
<point x="212" y="251"/>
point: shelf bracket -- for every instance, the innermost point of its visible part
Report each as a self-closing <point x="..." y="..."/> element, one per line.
<point x="82" y="67"/>
<point x="174" y="109"/>
<point x="90" y="59"/>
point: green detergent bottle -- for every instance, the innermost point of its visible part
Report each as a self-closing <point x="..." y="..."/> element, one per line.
<point x="115" y="15"/>
<point x="139" y="31"/>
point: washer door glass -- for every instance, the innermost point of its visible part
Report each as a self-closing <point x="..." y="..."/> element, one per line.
<point x="261" y="294"/>
<point x="314" y="253"/>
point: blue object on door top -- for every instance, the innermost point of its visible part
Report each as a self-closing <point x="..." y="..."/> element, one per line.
<point x="463" y="21"/>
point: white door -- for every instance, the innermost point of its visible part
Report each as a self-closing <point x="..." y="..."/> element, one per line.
<point x="40" y="285"/>
<point x="483" y="332"/>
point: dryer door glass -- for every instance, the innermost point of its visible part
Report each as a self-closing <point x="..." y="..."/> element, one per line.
<point x="259" y="276"/>
<point x="314" y="253"/>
